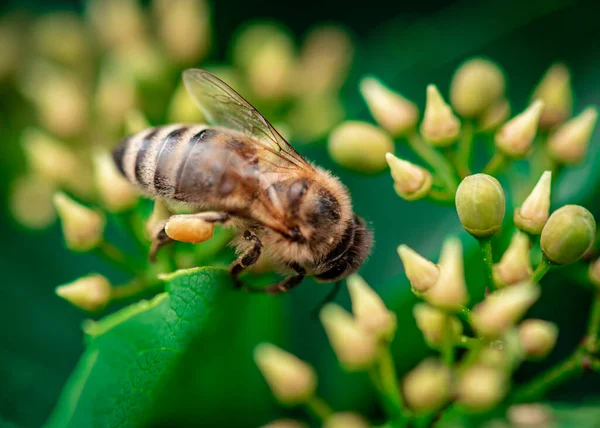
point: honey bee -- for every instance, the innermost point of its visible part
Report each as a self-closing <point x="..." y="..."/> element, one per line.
<point x="240" y="172"/>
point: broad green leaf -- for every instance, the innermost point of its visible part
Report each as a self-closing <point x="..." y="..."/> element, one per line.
<point x="183" y="357"/>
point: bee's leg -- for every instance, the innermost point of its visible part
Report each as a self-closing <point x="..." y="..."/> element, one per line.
<point x="282" y="286"/>
<point x="247" y="259"/>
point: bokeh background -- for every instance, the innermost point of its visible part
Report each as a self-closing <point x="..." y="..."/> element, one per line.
<point x="407" y="45"/>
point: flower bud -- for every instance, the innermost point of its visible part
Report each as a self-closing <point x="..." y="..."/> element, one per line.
<point x="504" y="353"/>
<point x="537" y="337"/>
<point x="292" y="381"/>
<point x="392" y="111"/>
<point x="91" y="293"/>
<point x="533" y="214"/>
<point x="189" y="228"/>
<point x="354" y="347"/>
<point x="411" y="182"/>
<point x="427" y="387"/>
<point x="594" y="273"/>
<point x="312" y="117"/>
<point x="346" y="420"/>
<point x="30" y="202"/>
<point x="555" y="91"/>
<point x="360" y="146"/>
<point x="62" y="36"/>
<point x="530" y="415"/>
<point x="421" y="273"/>
<point x="475" y="86"/>
<point x="116" y="95"/>
<point x="495" y="115"/>
<point x="433" y="323"/>
<point x="285" y="423"/>
<point x="480" y="388"/>
<point x="184" y="28"/>
<point x="515" y="138"/>
<point x="82" y="227"/>
<point x="116" y="192"/>
<point x="480" y="205"/>
<point x="449" y="292"/>
<point x="157" y="220"/>
<point x="569" y="144"/>
<point x="515" y="264"/>
<point x="567" y="235"/>
<point x="116" y="22"/>
<point x="369" y="310"/>
<point x="503" y="308"/>
<point x="440" y="126"/>
<point x="183" y="109"/>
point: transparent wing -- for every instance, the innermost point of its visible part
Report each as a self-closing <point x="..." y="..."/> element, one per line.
<point x="223" y="106"/>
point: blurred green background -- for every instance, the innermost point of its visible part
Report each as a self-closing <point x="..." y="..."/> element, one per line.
<point x="407" y="45"/>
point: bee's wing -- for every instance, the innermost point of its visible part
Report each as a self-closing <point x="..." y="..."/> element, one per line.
<point x="223" y="106"/>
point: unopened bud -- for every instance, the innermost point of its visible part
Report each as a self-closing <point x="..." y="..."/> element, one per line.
<point x="568" y="234"/>
<point x="449" y="291"/>
<point x="312" y="117"/>
<point x="392" y="111"/>
<point x="346" y="420"/>
<point x="91" y="293"/>
<point x="82" y="227"/>
<point x="427" y="387"/>
<point x="503" y="309"/>
<point x="494" y="116"/>
<point x="594" y="273"/>
<point x="433" y="323"/>
<point x="157" y="220"/>
<point x="555" y="91"/>
<point x="189" y="228"/>
<point x="116" y="94"/>
<point x="285" y="423"/>
<point x="515" y="138"/>
<point x="440" y="126"/>
<point x="116" y="192"/>
<point x="183" y="109"/>
<point x="61" y="36"/>
<point x="533" y="214"/>
<point x="411" y="182"/>
<point x="569" y="144"/>
<point x="354" y="346"/>
<point x="292" y="381"/>
<point x="369" y="310"/>
<point x="360" y="146"/>
<point x="537" y="337"/>
<point x="515" y="264"/>
<point x="116" y="22"/>
<point x="184" y="28"/>
<point x="421" y="273"/>
<point x="480" y="388"/>
<point x="530" y="415"/>
<point x="480" y="205"/>
<point x="475" y="86"/>
<point x="504" y="353"/>
<point x="30" y="202"/>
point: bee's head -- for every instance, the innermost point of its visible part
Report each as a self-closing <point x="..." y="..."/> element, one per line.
<point x="350" y="253"/>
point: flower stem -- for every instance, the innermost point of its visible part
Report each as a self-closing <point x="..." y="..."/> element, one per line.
<point x="465" y="145"/>
<point x="118" y="258"/>
<point x="593" y="331"/>
<point x="319" y="408"/>
<point x="383" y="376"/>
<point x="496" y="164"/>
<point x="485" y="244"/>
<point x="448" y="345"/>
<point x="541" y="270"/>
<point x="435" y="159"/>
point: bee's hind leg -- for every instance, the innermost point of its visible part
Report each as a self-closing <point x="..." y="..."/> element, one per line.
<point x="284" y="285"/>
<point x="247" y="259"/>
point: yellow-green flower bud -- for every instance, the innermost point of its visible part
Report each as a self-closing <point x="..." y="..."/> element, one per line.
<point x="82" y="227"/>
<point x="567" y="235"/>
<point x="530" y="415"/>
<point x="116" y="22"/>
<point x="360" y="146"/>
<point x="450" y="290"/>
<point x="515" y="138"/>
<point x="569" y="144"/>
<point x="495" y="115"/>
<point x="480" y="205"/>
<point x="354" y="346"/>
<point x="369" y="310"/>
<point x="292" y="381"/>
<point x="285" y="423"/>
<point x="392" y="111"/>
<point x="594" y="273"/>
<point x="537" y="337"/>
<point x="440" y="126"/>
<point x="433" y="323"/>
<point x="427" y="387"/>
<point x="480" y="388"/>
<point x="91" y="293"/>
<point x="515" y="264"/>
<point x="533" y="214"/>
<point x="30" y="202"/>
<point x="475" y="86"/>
<point x="503" y="308"/>
<point x="61" y="36"/>
<point x="115" y="95"/>
<point x="421" y="273"/>
<point x="504" y="353"/>
<point x="411" y="182"/>
<point x="183" y="109"/>
<point x="346" y="420"/>
<point x="116" y="192"/>
<point x="555" y="91"/>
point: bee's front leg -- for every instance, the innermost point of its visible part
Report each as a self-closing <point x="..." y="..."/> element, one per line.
<point x="284" y="285"/>
<point x="247" y="259"/>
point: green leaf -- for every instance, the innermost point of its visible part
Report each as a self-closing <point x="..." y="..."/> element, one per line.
<point x="568" y="415"/>
<point x="183" y="356"/>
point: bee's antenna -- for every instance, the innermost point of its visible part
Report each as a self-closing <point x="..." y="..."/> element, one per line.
<point x="330" y="296"/>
